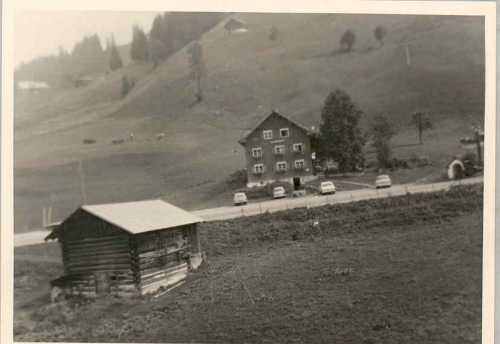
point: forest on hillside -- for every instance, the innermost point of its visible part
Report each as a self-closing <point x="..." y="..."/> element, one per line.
<point x="170" y="32"/>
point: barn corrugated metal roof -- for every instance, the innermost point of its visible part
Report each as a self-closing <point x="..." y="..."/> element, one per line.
<point x="143" y="216"/>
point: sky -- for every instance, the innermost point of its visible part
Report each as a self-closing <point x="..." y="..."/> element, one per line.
<point x="40" y="33"/>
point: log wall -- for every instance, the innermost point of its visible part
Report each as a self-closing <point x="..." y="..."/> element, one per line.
<point x="161" y="256"/>
<point x="100" y="265"/>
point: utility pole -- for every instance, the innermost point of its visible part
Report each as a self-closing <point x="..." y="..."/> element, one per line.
<point x="83" y="182"/>
<point x="478" y="143"/>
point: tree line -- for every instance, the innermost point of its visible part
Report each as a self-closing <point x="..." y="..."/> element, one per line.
<point x="341" y="139"/>
<point x="170" y="32"/>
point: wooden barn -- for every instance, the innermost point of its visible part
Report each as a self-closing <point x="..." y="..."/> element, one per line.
<point x="126" y="248"/>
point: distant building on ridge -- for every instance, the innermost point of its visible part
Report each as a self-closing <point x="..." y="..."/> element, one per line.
<point x="235" y="26"/>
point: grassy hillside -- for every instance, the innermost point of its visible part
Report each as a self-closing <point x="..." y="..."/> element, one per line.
<point x="393" y="273"/>
<point x="247" y="75"/>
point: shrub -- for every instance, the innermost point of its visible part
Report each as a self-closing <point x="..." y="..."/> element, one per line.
<point x="265" y="191"/>
<point x="238" y="178"/>
<point x="470" y="163"/>
<point x="399" y="163"/>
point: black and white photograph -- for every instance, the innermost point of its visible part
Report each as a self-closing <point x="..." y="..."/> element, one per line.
<point x="294" y="174"/>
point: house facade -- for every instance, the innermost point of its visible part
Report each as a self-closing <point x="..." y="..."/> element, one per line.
<point x="278" y="149"/>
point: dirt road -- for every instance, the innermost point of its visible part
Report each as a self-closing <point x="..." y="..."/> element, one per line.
<point x="36" y="237"/>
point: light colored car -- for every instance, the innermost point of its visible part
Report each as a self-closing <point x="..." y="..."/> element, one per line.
<point x="383" y="181"/>
<point x="240" y="198"/>
<point x="327" y="188"/>
<point x="279" y="192"/>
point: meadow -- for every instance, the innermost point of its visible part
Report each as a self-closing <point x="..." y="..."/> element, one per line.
<point x="386" y="270"/>
<point x="247" y="75"/>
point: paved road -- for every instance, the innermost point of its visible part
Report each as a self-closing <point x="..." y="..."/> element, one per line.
<point x="36" y="237"/>
<point x="314" y="201"/>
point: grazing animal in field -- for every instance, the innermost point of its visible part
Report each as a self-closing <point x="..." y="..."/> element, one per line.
<point x="117" y="142"/>
<point x="160" y="136"/>
<point x="132" y="136"/>
<point x="89" y="141"/>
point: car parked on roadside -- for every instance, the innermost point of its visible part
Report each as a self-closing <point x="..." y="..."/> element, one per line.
<point x="327" y="188"/>
<point x="279" y="192"/>
<point x="383" y="181"/>
<point x="240" y="198"/>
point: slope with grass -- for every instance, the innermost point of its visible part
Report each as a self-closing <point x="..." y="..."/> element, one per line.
<point x="247" y="75"/>
<point x="388" y="270"/>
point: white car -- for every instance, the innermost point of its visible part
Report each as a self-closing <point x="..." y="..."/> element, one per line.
<point x="383" y="181"/>
<point x="327" y="188"/>
<point x="279" y="192"/>
<point x="240" y="198"/>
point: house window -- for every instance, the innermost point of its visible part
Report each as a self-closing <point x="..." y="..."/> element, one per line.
<point x="281" y="166"/>
<point x="268" y="134"/>
<point x="284" y="132"/>
<point x="299" y="164"/>
<point x="298" y="148"/>
<point x="257" y="152"/>
<point x="279" y="150"/>
<point x="258" y="169"/>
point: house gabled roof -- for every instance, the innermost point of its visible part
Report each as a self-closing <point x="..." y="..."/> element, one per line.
<point x="242" y="141"/>
<point x="138" y="217"/>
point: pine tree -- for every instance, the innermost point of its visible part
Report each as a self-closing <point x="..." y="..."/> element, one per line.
<point x="195" y="54"/>
<point x="140" y="46"/>
<point x="125" y="86"/>
<point x="115" y="61"/>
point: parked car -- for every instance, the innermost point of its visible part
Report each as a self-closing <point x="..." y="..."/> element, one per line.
<point x="383" y="181"/>
<point x="327" y="188"/>
<point x="279" y="192"/>
<point x="240" y="198"/>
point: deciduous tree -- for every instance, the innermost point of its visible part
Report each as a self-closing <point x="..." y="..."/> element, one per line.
<point x="381" y="129"/>
<point x="422" y="122"/>
<point x="380" y="33"/>
<point x="340" y="137"/>
<point x="347" y="40"/>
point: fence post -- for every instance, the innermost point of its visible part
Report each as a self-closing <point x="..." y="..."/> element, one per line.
<point x="260" y="208"/>
<point x="242" y="212"/>
<point x="327" y="199"/>
<point x="352" y="199"/>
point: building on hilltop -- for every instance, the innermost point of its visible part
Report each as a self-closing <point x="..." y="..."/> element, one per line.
<point x="126" y="248"/>
<point x="235" y="26"/>
<point x="278" y="149"/>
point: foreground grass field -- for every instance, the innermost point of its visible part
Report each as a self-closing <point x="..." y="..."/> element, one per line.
<point x="397" y="270"/>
